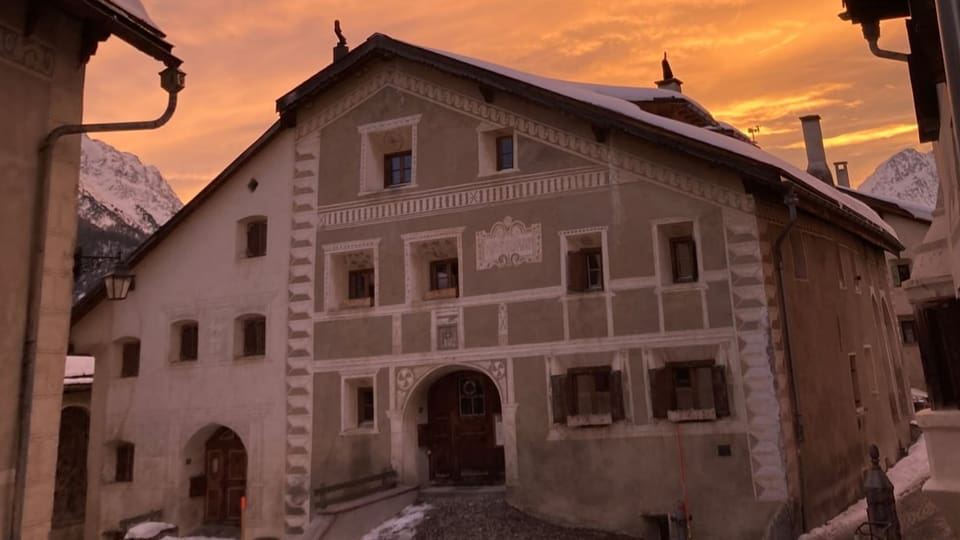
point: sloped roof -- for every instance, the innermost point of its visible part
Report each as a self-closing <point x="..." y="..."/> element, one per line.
<point x="892" y="205"/>
<point x="126" y="19"/>
<point x="605" y="106"/>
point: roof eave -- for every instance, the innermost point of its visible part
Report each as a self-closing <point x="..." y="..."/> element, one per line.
<point x="112" y="19"/>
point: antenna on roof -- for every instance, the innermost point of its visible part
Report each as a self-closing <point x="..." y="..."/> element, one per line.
<point x="341" y="49"/>
<point x="669" y="82"/>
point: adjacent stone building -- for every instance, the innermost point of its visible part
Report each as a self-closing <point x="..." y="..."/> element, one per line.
<point x="470" y="274"/>
<point x="44" y="48"/>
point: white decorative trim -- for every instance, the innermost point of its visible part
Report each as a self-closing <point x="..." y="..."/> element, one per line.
<point x="330" y="303"/>
<point x="409" y="239"/>
<point x="448" y="200"/>
<point x="503" y="328"/>
<point x="567" y="295"/>
<point x="509" y="243"/>
<point x="386" y="125"/>
<point x="347" y="401"/>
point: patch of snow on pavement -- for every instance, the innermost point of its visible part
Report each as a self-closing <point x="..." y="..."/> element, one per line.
<point x="907" y="475"/>
<point x="148" y="529"/>
<point x="194" y="538"/>
<point x="403" y="526"/>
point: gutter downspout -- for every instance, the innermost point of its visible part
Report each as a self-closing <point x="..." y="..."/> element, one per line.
<point x="171" y="80"/>
<point x="790" y="200"/>
<point x="871" y="33"/>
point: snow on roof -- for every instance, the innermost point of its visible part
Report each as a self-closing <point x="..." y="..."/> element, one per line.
<point x="918" y="211"/>
<point x="590" y="95"/>
<point x="78" y="370"/>
<point x="135" y="9"/>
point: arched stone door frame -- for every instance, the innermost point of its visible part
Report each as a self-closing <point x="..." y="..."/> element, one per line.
<point x="409" y="386"/>
<point x="192" y="464"/>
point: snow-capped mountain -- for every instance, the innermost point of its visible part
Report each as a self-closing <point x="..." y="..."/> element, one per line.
<point x="909" y="176"/>
<point x="121" y="201"/>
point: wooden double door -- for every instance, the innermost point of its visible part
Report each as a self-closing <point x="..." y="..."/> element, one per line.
<point x="460" y="436"/>
<point x="226" y="477"/>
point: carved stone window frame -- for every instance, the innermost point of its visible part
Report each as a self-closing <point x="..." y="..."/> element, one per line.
<point x="410" y="272"/>
<point x="350" y="382"/>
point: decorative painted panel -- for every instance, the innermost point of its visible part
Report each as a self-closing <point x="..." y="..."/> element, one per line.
<point x="509" y="243"/>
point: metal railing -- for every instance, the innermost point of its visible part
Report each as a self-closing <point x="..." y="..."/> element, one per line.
<point x="325" y="495"/>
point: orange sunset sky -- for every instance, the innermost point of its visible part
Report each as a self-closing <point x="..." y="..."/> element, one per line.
<point x="751" y="62"/>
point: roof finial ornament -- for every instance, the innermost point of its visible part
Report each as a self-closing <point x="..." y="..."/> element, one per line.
<point x="669" y="81"/>
<point x="341" y="49"/>
<point x="667" y="72"/>
<point x="340" y="39"/>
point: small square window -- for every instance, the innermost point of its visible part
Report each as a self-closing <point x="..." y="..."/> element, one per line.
<point x="397" y="169"/>
<point x="590" y="388"/>
<point x="124" y="469"/>
<point x="689" y="391"/>
<point x="360" y="284"/>
<point x="908" y="329"/>
<point x="443" y="274"/>
<point x="365" y="406"/>
<point x="189" y="341"/>
<point x="254" y="336"/>
<point x="256" y="238"/>
<point x="130" y="366"/>
<point x="585" y="270"/>
<point x="683" y="257"/>
<point x="504" y="152"/>
<point x="901" y="273"/>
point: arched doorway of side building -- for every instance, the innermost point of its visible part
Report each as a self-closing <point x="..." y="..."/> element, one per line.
<point x="459" y="429"/>
<point x="216" y="460"/>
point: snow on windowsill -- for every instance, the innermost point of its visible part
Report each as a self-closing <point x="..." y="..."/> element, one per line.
<point x="907" y="475"/>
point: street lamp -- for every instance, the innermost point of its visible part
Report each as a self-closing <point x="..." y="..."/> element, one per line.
<point x="117" y="282"/>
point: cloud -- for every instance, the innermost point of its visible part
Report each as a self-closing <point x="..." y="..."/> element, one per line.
<point x="862" y="136"/>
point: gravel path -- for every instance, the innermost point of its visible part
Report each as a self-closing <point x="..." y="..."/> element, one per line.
<point x="487" y="516"/>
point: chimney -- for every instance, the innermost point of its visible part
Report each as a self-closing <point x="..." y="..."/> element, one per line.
<point x="816" y="155"/>
<point x="341" y="49"/>
<point x="669" y="82"/>
<point x="843" y="175"/>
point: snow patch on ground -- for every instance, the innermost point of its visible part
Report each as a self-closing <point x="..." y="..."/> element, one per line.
<point x="403" y="526"/>
<point x="148" y="529"/>
<point x="194" y="538"/>
<point x="907" y="475"/>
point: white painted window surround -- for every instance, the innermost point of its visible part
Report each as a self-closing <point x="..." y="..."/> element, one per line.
<point x="487" y="135"/>
<point x="586" y="237"/>
<point x="379" y="139"/>
<point x="350" y="383"/>
<point x="338" y="260"/>
<point x="419" y="249"/>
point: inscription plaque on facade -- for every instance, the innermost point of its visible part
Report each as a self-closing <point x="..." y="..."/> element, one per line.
<point x="509" y="243"/>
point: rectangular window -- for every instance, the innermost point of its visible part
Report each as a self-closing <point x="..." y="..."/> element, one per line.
<point x="365" y="410"/>
<point x="689" y="391"/>
<point x="257" y="238"/>
<point x="472" y="400"/>
<point x="255" y="336"/>
<point x="901" y="273"/>
<point x="587" y="396"/>
<point x="585" y="270"/>
<point x="443" y="274"/>
<point x="124" y="471"/>
<point x="857" y="401"/>
<point x="908" y="329"/>
<point x="683" y="256"/>
<point x="397" y="169"/>
<point x="360" y="284"/>
<point x="189" y="341"/>
<point x="504" y="152"/>
<point x="131" y="359"/>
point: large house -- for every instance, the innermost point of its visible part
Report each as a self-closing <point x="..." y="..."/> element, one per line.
<point x="598" y="296"/>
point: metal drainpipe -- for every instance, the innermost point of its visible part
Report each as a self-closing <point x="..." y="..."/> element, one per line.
<point x="871" y="33"/>
<point x="171" y="80"/>
<point x="790" y="200"/>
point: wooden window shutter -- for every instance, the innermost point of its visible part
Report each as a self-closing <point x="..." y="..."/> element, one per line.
<point x="576" y="271"/>
<point x="661" y="391"/>
<point x="721" y="400"/>
<point x="617" y="409"/>
<point x="558" y="389"/>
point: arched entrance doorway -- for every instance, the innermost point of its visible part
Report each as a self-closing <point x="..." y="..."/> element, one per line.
<point x="462" y="435"/>
<point x="224" y="478"/>
<point x="70" y="488"/>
